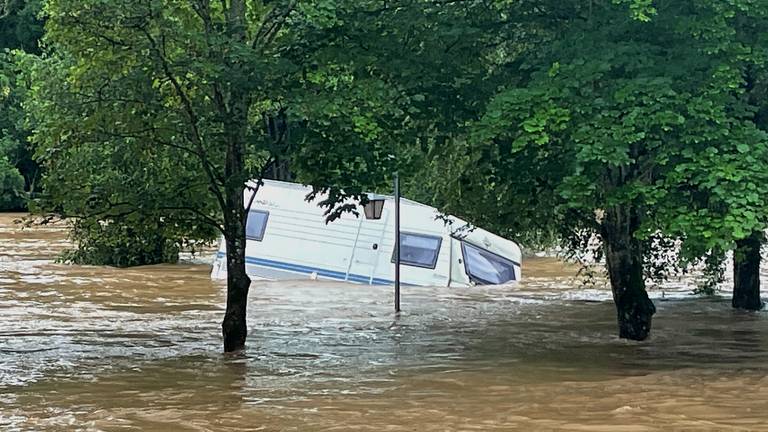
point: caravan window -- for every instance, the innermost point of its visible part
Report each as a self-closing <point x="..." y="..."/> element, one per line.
<point x="418" y="250"/>
<point x="485" y="267"/>
<point x="256" y="225"/>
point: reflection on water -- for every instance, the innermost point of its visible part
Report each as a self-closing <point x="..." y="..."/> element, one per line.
<point x="91" y="348"/>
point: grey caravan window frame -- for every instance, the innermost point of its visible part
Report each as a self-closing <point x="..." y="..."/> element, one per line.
<point x="261" y="232"/>
<point x="476" y="279"/>
<point x="433" y="264"/>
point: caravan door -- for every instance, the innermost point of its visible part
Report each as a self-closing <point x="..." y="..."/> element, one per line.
<point x="366" y="250"/>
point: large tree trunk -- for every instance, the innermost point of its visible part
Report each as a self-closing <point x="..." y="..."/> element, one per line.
<point x="233" y="99"/>
<point x="746" y="273"/>
<point x="234" y="327"/>
<point x="624" y="260"/>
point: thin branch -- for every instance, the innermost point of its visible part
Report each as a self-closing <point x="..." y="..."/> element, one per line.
<point x="131" y="209"/>
<point x="272" y="23"/>
<point x="203" y="9"/>
<point x="259" y="183"/>
<point x="191" y="117"/>
<point x="207" y="219"/>
<point x="91" y="28"/>
<point x="152" y="136"/>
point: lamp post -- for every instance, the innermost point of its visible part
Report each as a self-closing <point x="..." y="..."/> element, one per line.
<point x="397" y="243"/>
<point x="373" y="209"/>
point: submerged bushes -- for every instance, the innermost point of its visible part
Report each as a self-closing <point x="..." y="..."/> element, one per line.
<point x="123" y="244"/>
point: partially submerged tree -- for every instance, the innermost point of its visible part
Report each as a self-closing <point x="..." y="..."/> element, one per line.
<point x="166" y="109"/>
<point x="182" y="83"/>
<point x="718" y="189"/>
<point x="11" y="187"/>
<point x="594" y="129"/>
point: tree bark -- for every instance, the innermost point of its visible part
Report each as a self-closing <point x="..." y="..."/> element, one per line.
<point x="746" y="273"/>
<point x="234" y="327"/>
<point x="624" y="260"/>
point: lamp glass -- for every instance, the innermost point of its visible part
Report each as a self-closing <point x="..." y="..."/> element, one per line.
<point x="374" y="208"/>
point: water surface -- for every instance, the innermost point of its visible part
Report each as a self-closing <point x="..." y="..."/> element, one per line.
<point x="101" y="349"/>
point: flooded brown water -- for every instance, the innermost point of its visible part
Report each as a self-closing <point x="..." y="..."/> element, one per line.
<point x="101" y="349"/>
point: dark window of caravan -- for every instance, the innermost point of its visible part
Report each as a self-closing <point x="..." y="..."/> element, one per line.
<point x="418" y="250"/>
<point x="485" y="267"/>
<point x="256" y="225"/>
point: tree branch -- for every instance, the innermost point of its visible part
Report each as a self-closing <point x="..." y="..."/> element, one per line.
<point x="191" y="117"/>
<point x="207" y="219"/>
<point x="259" y="183"/>
<point x="130" y="209"/>
<point x="151" y="135"/>
<point x="271" y="24"/>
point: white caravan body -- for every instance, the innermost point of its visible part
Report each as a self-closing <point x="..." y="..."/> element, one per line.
<point x="288" y="238"/>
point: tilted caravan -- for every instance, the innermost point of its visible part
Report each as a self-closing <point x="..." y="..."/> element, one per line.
<point x="288" y="238"/>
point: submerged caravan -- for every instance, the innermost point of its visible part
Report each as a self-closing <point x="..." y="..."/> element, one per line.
<point x="288" y="238"/>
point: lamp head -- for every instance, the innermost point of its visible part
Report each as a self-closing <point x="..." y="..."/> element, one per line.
<point x="374" y="208"/>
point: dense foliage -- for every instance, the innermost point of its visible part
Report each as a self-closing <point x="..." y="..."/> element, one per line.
<point x="20" y="30"/>
<point x="121" y="244"/>
<point x="624" y="129"/>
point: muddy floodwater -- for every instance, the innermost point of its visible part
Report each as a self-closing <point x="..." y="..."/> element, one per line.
<point x="102" y="349"/>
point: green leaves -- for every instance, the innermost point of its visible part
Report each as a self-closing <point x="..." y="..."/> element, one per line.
<point x="14" y="146"/>
<point x="642" y="10"/>
<point x="12" y="195"/>
<point x="661" y="111"/>
<point x="148" y="110"/>
<point x="524" y="118"/>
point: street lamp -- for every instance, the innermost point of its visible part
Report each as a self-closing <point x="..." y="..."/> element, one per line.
<point x="373" y="210"/>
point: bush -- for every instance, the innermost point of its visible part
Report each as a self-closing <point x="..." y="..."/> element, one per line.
<point x="120" y="244"/>
<point x="12" y="195"/>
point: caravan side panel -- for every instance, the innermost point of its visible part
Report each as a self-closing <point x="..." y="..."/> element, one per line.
<point x="296" y="242"/>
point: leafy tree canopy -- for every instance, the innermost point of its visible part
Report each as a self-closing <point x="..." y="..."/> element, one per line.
<point x="12" y="195"/>
<point x="20" y="29"/>
<point x="625" y="129"/>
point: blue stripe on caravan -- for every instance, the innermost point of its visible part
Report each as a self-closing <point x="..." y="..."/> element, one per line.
<point x="309" y="270"/>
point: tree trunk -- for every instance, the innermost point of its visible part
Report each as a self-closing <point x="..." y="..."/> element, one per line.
<point x="234" y="327"/>
<point x="746" y="273"/>
<point x="233" y="102"/>
<point x="280" y="170"/>
<point x="624" y="260"/>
